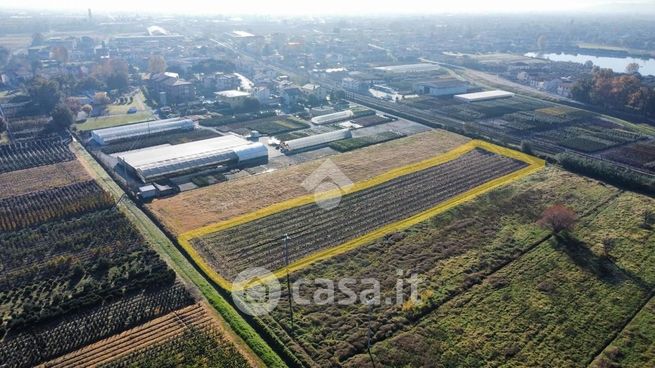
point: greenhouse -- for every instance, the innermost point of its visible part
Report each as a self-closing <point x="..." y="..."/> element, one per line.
<point x="333" y="118"/>
<point x="484" y="96"/>
<point x="115" y="134"/>
<point x="314" y="141"/>
<point x="169" y="160"/>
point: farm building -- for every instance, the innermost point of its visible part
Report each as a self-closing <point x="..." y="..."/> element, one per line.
<point x="170" y="160"/>
<point x="441" y="87"/>
<point x="409" y="68"/>
<point x="314" y="141"/>
<point x="112" y="135"/>
<point x="333" y="118"/>
<point x="484" y="96"/>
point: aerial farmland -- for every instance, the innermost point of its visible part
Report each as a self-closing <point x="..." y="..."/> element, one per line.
<point x="287" y="184"/>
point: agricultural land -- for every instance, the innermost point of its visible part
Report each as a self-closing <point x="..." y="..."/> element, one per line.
<point x="208" y="205"/>
<point x="488" y="266"/>
<point x="74" y="270"/>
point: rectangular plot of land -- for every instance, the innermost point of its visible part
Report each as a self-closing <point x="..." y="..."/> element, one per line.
<point x="311" y="228"/>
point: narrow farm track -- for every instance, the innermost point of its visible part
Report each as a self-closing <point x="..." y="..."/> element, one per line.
<point x="311" y="228"/>
<point x="153" y="332"/>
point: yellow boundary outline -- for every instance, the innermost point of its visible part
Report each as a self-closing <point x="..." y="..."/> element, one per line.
<point x="534" y="164"/>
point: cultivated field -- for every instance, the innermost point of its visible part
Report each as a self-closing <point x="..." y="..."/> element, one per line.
<point x="640" y="154"/>
<point x="52" y="204"/>
<point x="350" y="144"/>
<point x="184" y="337"/>
<point x="41" y="178"/>
<point x="73" y="269"/>
<point x="74" y="330"/>
<point x="269" y="125"/>
<point x="487" y="265"/>
<point x="311" y="228"/>
<point x="193" y="209"/>
<point x="34" y="153"/>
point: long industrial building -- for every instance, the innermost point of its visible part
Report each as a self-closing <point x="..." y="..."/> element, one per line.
<point x="116" y="134"/>
<point x="333" y="118"/>
<point x="484" y="96"/>
<point x="314" y="141"/>
<point x="171" y="160"/>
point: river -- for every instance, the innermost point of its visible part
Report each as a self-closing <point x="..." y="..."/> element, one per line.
<point x="617" y="64"/>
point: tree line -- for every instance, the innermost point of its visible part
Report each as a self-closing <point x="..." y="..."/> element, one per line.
<point x="614" y="91"/>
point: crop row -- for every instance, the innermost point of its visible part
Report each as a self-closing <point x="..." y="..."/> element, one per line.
<point x="32" y="247"/>
<point x="141" y="337"/>
<point x="350" y="144"/>
<point x="30" y="347"/>
<point x="371" y="120"/>
<point x="311" y="228"/>
<point x="33" y="153"/>
<point x="640" y="155"/>
<point x="52" y="204"/>
<point x="195" y="347"/>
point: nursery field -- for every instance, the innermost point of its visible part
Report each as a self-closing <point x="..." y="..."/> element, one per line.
<point x="33" y="153"/>
<point x="185" y="337"/>
<point x="25" y="181"/>
<point x="201" y="207"/>
<point x="269" y="126"/>
<point x="350" y="144"/>
<point x="79" y="284"/>
<point x="640" y="154"/>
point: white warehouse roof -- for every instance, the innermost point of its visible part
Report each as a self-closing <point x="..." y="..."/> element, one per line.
<point x="332" y="118"/>
<point x="165" y="160"/>
<point x="409" y="68"/>
<point x="109" y="135"/>
<point x="482" y="96"/>
<point x="316" y="140"/>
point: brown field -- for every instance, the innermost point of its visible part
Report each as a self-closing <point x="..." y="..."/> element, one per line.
<point x="201" y="207"/>
<point x="40" y="178"/>
<point x="150" y="334"/>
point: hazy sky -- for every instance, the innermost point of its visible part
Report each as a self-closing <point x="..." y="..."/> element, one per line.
<point x="348" y="7"/>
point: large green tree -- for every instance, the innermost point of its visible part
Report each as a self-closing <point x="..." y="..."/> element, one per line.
<point x="62" y="117"/>
<point x="45" y="94"/>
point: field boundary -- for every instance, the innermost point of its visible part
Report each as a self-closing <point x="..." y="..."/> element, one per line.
<point x="534" y="164"/>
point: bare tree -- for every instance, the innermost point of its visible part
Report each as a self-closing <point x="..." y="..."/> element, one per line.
<point x="557" y="218"/>
<point x="632" y="68"/>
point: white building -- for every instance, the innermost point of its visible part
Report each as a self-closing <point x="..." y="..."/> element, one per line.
<point x="315" y="141"/>
<point x="333" y="118"/>
<point x="171" y="160"/>
<point x="115" y="134"/>
<point x="233" y="97"/>
<point x="484" y="96"/>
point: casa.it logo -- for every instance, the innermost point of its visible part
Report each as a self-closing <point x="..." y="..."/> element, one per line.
<point x="256" y="291"/>
<point x="329" y="184"/>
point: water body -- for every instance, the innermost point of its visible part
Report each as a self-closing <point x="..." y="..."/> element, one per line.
<point x="617" y="64"/>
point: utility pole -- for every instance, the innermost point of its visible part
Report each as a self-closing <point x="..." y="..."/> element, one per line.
<point x="286" y="261"/>
<point x="370" y="331"/>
